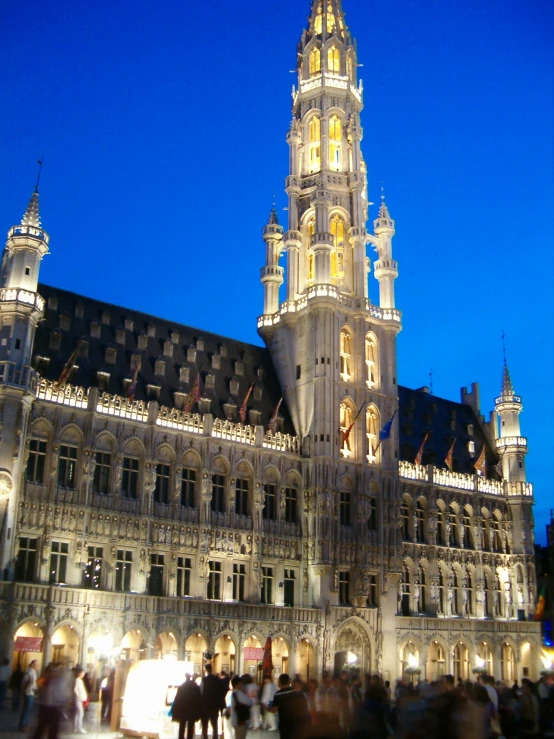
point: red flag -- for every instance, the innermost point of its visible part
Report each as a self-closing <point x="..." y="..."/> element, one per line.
<point x="419" y="455"/>
<point x="541" y="603"/>
<point x="242" y="411"/>
<point x="273" y="420"/>
<point x="448" y="460"/>
<point x="132" y="389"/>
<point x="64" y="375"/>
<point x="267" y="663"/>
<point x="481" y="464"/>
<point x="194" y="395"/>
<point x="349" y="429"/>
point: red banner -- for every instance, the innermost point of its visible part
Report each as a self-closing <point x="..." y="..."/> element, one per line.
<point x="28" y="644"/>
<point x="253" y="653"/>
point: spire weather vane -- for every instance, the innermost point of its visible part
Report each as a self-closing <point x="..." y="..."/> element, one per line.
<point x="39" y="162"/>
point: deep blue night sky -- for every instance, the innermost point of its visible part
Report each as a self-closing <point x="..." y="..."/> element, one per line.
<point x="163" y="126"/>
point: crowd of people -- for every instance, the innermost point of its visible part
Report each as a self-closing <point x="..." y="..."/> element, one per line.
<point x="347" y="705"/>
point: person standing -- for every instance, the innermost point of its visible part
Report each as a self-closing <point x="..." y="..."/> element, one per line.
<point x="239" y="704"/>
<point x="212" y="701"/>
<point x="54" y="694"/>
<point x="28" y="691"/>
<point x="15" y="685"/>
<point x="266" y="701"/>
<point x="529" y="717"/>
<point x="292" y="707"/>
<point x="81" y="697"/>
<point x="186" y="708"/>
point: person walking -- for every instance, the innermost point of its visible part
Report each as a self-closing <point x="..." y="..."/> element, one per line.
<point x="529" y="717"/>
<point x="187" y="707"/>
<point x="28" y="692"/>
<point x="54" y="694"/>
<point x="213" y="701"/>
<point x="266" y="701"/>
<point x="292" y="708"/>
<point x="81" y="697"/>
<point x="239" y="704"/>
<point x="15" y="685"/>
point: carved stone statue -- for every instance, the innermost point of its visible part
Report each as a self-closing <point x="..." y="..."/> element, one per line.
<point x="417" y="595"/>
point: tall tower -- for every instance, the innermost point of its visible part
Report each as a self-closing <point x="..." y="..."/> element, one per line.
<point x="328" y="340"/>
<point x="21" y="308"/>
<point x="512" y="448"/>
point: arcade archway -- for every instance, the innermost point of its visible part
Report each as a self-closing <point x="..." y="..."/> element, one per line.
<point x="65" y="645"/>
<point x="305" y="659"/>
<point x="352" y="648"/>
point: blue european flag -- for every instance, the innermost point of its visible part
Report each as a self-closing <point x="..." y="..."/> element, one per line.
<point x="384" y="434"/>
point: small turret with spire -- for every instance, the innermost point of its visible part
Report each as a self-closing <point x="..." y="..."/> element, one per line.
<point x="272" y="273"/>
<point x="386" y="269"/>
<point x="511" y="446"/>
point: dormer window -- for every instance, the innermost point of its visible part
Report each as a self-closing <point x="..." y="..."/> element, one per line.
<point x="315" y="61"/>
<point x="333" y="60"/>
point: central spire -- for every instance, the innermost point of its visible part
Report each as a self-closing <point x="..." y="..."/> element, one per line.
<point x="31" y="217"/>
<point x="327" y="19"/>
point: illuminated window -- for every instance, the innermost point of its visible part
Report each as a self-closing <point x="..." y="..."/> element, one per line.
<point x="319" y="21"/>
<point x="333" y="60"/>
<point x="346" y="418"/>
<point x="345" y="355"/>
<point x="314" y="148"/>
<point x="371" y="360"/>
<point x="337" y="254"/>
<point x="349" y="68"/>
<point x="330" y="18"/>
<point x="335" y="142"/>
<point x="372" y="432"/>
<point x="315" y="61"/>
<point x="311" y="259"/>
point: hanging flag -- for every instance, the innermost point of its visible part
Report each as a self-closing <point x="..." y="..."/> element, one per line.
<point x="481" y="464"/>
<point x="242" y="411"/>
<point x="194" y="395"/>
<point x="498" y="468"/>
<point x="349" y="429"/>
<point x="273" y="420"/>
<point x="384" y="434"/>
<point x="419" y="455"/>
<point x="541" y="603"/>
<point x="449" y="459"/>
<point x="132" y="389"/>
<point x="267" y="662"/>
<point x="64" y="375"/>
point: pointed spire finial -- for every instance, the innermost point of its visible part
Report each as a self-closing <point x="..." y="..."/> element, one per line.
<point x="31" y="217"/>
<point x="39" y="162"/>
<point x="273" y="218"/>
<point x="507" y="387"/>
<point x="383" y="210"/>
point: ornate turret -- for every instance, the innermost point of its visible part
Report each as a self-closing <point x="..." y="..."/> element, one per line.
<point x="327" y="20"/>
<point x="511" y="446"/>
<point x="386" y="269"/>
<point x="272" y="273"/>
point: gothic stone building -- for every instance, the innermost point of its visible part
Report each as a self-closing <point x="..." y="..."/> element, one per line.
<point x="136" y="523"/>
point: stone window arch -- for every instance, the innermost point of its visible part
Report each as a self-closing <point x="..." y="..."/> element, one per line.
<point x="347" y="432"/>
<point x="335" y="143"/>
<point x="314" y="61"/>
<point x="372" y="361"/>
<point x="190" y="477"/>
<point x="345" y="354"/>
<point x="421" y="521"/>
<point x="337" y="228"/>
<point x="373" y="426"/>
<point x="314" y="143"/>
<point x="220" y="483"/>
<point x="333" y="60"/>
<point x="243" y="490"/>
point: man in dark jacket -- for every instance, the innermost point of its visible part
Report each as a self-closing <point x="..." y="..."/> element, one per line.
<point x="292" y="707"/>
<point x="213" y="701"/>
<point x="186" y="707"/>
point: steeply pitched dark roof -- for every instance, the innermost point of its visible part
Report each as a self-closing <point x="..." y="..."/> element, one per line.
<point x="70" y="317"/>
<point x="420" y="412"/>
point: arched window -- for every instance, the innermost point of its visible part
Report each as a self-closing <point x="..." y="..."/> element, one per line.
<point x="345" y="355"/>
<point x="489" y="595"/>
<point x="496" y="537"/>
<point x="319" y="21"/>
<point x="422" y="590"/>
<point x="335" y="142"/>
<point x="337" y="255"/>
<point x="507" y="664"/>
<point x="219" y="486"/>
<point x="333" y="60"/>
<point x="330" y="18"/>
<point x="467" y="530"/>
<point x="314" y="143"/>
<point x="406" y="586"/>
<point x="442" y="591"/>
<point x="420" y="523"/>
<point x="498" y="597"/>
<point x="315" y="61"/>
<point x="484" y="654"/>
<point x="454" y="532"/>
<point x="371" y="361"/>
<point x="405" y="518"/>
<point x="441" y="526"/>
<point x="470" y="590"/>
<point x="242" y="490"/>
<point x="485" y="535"/>
<point x="346" y="419"/>
<point x="372" y="433"/>
<point x="349" y="68"/>
<point x="311" y="257"/>
<point x="461" y="662"/>
<point x="456" y="599"/>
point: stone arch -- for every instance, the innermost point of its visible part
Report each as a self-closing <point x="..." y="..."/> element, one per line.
<point x="271" y="474"/>
<point x="42" y="428"/>
<point x="134" y="446"/>
<point x="220" y="465"/>
<point x="306" y="656"/>
<point x="66" y="642"/>
<point x="411" y="654"/>
<point x="165" y="454"/>
<point x="191" y="458"/>
<point x="281" y="661"/>
<point x="353" y="637"/>
<point x="462" y="659"/>
<point x="437" y="657"/>
<point x="105" y="441"/>
<point x="347" y="413"/>
<point x="225" y="660"/>
<point x="29" y="627"/>
<point x="72" y="434"/>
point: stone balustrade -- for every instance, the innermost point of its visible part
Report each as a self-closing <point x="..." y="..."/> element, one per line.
<point x="460" y="481"/>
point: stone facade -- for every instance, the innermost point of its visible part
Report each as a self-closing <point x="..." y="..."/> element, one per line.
<point x="154" y="503"/>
